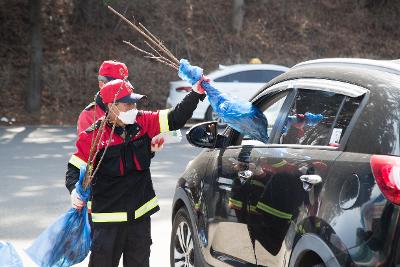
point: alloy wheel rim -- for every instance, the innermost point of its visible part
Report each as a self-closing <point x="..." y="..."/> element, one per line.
<point x="183" y="247"/>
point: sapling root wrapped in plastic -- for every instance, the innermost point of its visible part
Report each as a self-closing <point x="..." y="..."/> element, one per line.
<point x="240" y="114"/>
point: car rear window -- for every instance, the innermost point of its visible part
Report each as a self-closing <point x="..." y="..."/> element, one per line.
<point x="377" y="131"/>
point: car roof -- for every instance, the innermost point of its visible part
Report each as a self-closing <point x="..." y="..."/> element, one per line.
<point x="391" y="66"/>
<point x="367" y="73"/>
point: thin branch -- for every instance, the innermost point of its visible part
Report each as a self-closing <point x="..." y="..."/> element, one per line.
<point x="116" y="26"/>
<point x="162" y="61"/>
<point x="105" y="149"/>
<point x="137" y="48"/>
<point x="158" y="40"/>
<point x="152" y="48"/>
<point x="152" y="56"/>
<point x="96" y="143"/>
<point x="153" y="42"/>
<point x="95" y="140"/>
<point x="164" y="58"/>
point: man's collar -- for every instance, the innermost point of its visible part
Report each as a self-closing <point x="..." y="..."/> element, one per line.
<point x="100" y="103"/>
<point x="129" y="128"/>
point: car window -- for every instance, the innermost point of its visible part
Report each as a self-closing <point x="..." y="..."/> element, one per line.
<point x="271" y="111"/>
<point x="318" y="118"/>
<point x="346" y="114"/>
<point x="250" y="76"/>
<point x="271" y="107"/>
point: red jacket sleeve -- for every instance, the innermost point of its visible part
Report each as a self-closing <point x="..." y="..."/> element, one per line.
<point x="77" y="159"/>
<point x="167" y="120"/>
<point x="153" y="123"/>
<point x="81" y="155"/>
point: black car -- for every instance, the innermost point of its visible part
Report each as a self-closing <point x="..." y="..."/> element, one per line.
<point x="316" y="194"/>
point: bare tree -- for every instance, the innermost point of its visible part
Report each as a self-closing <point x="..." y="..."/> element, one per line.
<point x="284" y="8"/>
<point x="35" y="82"/>
<point x="238" y="15"/>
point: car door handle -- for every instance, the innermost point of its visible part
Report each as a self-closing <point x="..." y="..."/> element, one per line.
<point x="309" y="180"/>
<point x="245" y="174"/>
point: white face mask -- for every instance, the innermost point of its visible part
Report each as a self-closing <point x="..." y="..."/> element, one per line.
<point x="128" y="117"/>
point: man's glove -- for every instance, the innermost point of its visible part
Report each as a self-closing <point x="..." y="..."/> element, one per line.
<point x="157" y="145"/>
<point x="198" y="88"/>
<point x="76" y="201"/>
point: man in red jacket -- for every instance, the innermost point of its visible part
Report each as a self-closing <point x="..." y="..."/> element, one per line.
<point x="109" y="70"/>
<point x="123" y="197"/>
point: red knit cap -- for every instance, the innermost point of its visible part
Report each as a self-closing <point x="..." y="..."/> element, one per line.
<point x="113" y="69"/>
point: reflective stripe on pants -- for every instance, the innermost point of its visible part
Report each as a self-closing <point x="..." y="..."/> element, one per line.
<point x="123" y="216"/>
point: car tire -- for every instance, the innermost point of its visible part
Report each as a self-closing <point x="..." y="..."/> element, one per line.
<point x="188" y="253"/>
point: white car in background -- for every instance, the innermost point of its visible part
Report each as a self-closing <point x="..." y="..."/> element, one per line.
<point x="241" y="80"/>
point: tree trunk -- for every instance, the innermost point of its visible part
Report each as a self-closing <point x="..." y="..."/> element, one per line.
<point x="238" y="14"/>
<point x="34" y="85"/>
<point x="284" y="9"/>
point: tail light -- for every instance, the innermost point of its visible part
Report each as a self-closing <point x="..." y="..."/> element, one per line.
<point x="386" y="170"/>
<point x="184" y="89"/>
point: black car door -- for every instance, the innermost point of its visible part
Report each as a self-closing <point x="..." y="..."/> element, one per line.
<point x="227" y="190"/>
<point x="293" y="169"/>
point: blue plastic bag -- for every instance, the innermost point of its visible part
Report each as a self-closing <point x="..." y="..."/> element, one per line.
<point x="67" y="241"/>
<point x="241" y="115"/>
<point x="9" y="256"/>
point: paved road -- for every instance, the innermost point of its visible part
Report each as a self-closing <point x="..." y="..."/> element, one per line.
<point x="32" y="192"/>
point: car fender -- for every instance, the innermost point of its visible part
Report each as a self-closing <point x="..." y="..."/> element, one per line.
<point x="311" y="242"/>
<point x="182" y="195"/>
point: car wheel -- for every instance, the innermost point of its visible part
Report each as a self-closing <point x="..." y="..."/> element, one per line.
<point x="183" y="246"/>
<point x="211" y="115"/>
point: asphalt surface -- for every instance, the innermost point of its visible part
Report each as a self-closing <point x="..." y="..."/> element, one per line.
<point x="33" y="162"/>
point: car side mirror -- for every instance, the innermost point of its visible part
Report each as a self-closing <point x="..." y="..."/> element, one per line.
<point x="203" y="134"/>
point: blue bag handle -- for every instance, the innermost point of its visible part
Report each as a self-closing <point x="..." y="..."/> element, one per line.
<point x="84" y="194"/>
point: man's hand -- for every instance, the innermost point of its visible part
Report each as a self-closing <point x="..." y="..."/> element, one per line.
<point x="76" y="201"/>
<point x="198" y="88"/>
<point x="157" y="144"/>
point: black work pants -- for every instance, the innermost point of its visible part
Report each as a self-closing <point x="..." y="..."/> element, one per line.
<point x="133" y="240"/>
